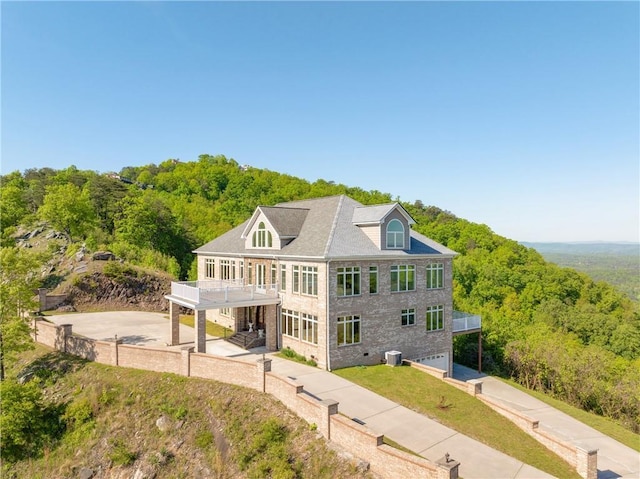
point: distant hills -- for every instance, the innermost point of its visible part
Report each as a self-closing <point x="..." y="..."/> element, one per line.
<point x="616" y="263"/>
<point x="587" y="248"/>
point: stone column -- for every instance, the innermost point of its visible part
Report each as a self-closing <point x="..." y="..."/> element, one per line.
<point x="42" y="297"/>
<point x="474" y="387"/>
<point x="447" y="468"/>
<point x="201" y="338"/>
<point x="174" y="320"/>
<point x="587" y="462"/>
<point x="62" y="333"/>
<point x="328" y="407"/>
<point x="185" y="360"/>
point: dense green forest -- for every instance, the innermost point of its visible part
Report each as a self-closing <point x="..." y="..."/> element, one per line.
<point x="551" y="328"/>
<point x="615" y="263"/>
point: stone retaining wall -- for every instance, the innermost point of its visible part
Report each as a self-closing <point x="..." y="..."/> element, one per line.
<point x="385" y="461"/>
<point x="585" y="461"/>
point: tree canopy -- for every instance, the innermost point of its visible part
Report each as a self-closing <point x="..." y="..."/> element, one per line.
<point x="155" y="215"/>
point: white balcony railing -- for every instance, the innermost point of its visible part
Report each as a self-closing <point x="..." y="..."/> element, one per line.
<point x="220" y="291"/>
<point x="465" y="322"/>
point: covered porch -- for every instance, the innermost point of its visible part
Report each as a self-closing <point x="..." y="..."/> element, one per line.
<point x="201" y="296"/>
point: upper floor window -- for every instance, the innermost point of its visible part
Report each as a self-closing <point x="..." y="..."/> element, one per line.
<point x="262" y="238"/>
<point x="283" y="277"/>
<point x="310" y="280"/>
<point x="403" y="277"/>
<point x="435" y="275"/>
<point x="373" y="280"/>
<point x="435" y="318"/>
<point x="395" y="234"/>
<point x="296" y="279"/>
<point x="227" y="269"/>
<point x="349" y="281"/>
<point x="209" y="268"/>
<point x="274" y="275"/>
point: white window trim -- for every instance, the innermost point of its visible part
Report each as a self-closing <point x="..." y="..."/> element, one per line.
<point x="352" y="272"/>
<point x="395" y="234"/>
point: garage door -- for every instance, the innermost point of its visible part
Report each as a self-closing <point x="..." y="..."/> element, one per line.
<point x="440" y="361"/>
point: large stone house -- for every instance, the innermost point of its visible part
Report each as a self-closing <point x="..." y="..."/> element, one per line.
<point x="334" y="280"/>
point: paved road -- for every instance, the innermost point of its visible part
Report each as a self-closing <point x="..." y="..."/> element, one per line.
<point x="410" y="429"/>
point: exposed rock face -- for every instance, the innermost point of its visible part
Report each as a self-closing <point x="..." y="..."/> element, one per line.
<point x="103" y="256"/>
<point x="145" y="292"/>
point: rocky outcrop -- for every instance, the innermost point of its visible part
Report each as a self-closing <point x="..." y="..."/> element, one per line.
<point x="131" y="292"/>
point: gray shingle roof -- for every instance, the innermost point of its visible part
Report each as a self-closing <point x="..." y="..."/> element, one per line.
<point x="286" y="221"/>
<point x="324" y="228"/>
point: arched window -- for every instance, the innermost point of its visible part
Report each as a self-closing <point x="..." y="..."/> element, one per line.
<point x="262" y="238"/>
<point x="395" y="234"/>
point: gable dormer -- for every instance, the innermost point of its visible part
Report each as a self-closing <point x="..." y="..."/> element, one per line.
<point x="387" y="226"/>
<point x="273" y="227"/>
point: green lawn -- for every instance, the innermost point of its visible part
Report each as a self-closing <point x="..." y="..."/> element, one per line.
<point x="458" y="410"/>
<point x="599" y="423"/>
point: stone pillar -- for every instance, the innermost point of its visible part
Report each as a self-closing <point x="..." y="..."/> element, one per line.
<point x="271" y="325"/>
<point x="174" y="320"/>
<point x="328" y="407"/>
<point x="264" y="366"/>
<point x="201" y="333"/>
<point x="447" y="468"/>
<point x="587" y="462"/>
<point x="474" y="387"/>
<point x="62" y="333"/>
<point x="42" y="297"/>
<point x="185" y="360"/>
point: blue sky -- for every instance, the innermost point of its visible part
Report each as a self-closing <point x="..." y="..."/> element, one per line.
<point x="521" y="116"/>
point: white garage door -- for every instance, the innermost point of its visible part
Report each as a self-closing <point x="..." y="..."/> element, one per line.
<point x="440" y="361"/>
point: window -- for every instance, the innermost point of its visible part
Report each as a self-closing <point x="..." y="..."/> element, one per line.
<point x="274" y="275"/>
<point x="310" y="280"/>
<point x="283" y="277"/>
<point x="309" y="328"/>
<point x="435" y="275"/>
<point x="241" y="269"/>
<point x="227" y="269"/>
<point x="225" y="311"/>
<point x="435" y="318"/>
<point x="408" y="317"/>
<point x="290" y="323"/>
<point x="395" y="234"/>
<point x="349" y="281"/>
<point x="348" y="330"/>
<point x="403" y="277"/>
<point x="249" y="273"/>
<point x="261" y="275"/>
<point x="296" y="279"/>
<point x="373" y="280"/>
<point x="262" y="238"/>
<point x="209" y="268"/>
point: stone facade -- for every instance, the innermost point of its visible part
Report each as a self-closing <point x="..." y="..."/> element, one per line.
<point x="333" y="236"/>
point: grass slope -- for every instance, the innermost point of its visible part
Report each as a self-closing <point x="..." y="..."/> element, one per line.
<point x="458" y="410"/>
<point x="120" y="421"/>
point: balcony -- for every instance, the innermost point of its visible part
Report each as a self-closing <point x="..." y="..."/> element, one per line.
<point x="214" y="294"/>
<point x="466" y="323"/>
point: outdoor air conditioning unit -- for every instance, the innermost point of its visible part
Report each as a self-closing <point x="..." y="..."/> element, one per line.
<point x="394" y="358"/>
